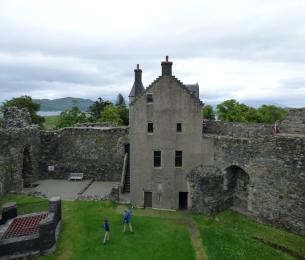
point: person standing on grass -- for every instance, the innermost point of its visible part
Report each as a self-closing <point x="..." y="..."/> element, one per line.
<point x="107" y="230"/>
<point x="126" y="220"/>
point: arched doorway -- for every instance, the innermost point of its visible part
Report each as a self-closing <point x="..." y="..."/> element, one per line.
<point x="236" y="185"/>
<point x="27" y="167"/>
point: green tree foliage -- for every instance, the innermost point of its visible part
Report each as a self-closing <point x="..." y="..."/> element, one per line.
<point x="96" y="109"/>
<point x="232" y="111"/>
<point x="111" y="114"/>
<point x="208" y="112"/>
<point x="27" y="103"/>
<point x="122" y="109"/>
<point x="271" y="114"/>
<point x="71" y="117"/>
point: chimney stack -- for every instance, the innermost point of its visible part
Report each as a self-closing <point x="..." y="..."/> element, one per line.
<point x="137" y="88"/>
<point x="166" y="67"/>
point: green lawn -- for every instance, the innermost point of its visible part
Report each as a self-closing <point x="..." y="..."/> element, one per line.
<point x="230" y="235"/>
<point x="50" y="122"/>
<point x="162" y="235"/>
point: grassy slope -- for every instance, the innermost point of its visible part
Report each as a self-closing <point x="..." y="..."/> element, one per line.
<point x="230" y="236"/>
<point x="50" y="122"/>
<point x="162" y="235"/>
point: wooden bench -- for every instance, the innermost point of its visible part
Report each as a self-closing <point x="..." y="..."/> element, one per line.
<point x="76" y="176"/>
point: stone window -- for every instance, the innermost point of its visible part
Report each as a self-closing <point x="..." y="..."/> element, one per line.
<point x="150" y="127"/>
<point x="150" y="98"/>
<point x="178" y="159"/>
<point x="157" y="158"/>
<point x="179" y="128"/>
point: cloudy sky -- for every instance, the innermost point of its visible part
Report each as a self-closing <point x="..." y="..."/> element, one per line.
<point x="250" y="50"/>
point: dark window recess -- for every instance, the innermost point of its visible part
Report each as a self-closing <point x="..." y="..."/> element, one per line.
<point x="157" y="158"/>
<point x="150" y="127"/>
<point x="150" y="98"/>
<point x="178" y="159"/>
<point x="179" y="127"/>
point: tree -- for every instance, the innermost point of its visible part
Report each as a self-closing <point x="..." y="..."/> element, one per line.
<point x="27" y="103"/>
<point x="208" y="112"/>
<point x="71" y="117"/>
<point x="97" y="108"/>
<point x="111" y="114"/>
<point x="120" y="101"/>
<point x="271" y="114"/>
<point x="232" y="111"/>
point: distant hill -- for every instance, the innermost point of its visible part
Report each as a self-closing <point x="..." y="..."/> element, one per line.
<point x="62" y="104"/>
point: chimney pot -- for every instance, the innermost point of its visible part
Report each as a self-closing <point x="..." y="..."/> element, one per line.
<point x="166" y="58"/>
<point x="138" y="66"/>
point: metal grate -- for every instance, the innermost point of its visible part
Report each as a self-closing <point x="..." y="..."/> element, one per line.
<point x="24" y="226"/>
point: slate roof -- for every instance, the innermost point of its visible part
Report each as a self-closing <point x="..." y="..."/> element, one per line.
<point x="137" y="89"/>
<point x="193" y="88"/>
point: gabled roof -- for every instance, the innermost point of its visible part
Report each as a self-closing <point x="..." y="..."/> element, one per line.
<point x="193" y="90"/>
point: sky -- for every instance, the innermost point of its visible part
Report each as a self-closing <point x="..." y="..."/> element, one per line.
<point x="249" y="50"/>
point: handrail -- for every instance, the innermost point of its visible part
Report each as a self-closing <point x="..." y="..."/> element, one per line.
<point x="123" y="172"/>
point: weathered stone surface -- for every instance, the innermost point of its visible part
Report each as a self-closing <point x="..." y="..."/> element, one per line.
<point x="294" y="123"/>
<point x="98" y="152"/>
<point x="276" y="168"/>
<point x="14" y="117"/>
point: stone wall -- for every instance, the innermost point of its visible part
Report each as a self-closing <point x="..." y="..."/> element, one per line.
<point x="98" y="152"/>
<point x="235" y="129"/>
<point x="294" y="123"/>
<point x="14" y="117"/>
<point x="19" y="158"/>
<point x="276" y="170"/>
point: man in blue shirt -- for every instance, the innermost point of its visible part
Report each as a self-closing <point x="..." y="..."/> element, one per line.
<point x="127" y="220"/>
<point x="107" y="230"/>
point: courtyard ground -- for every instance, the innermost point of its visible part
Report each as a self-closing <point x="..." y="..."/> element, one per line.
<point x="165" y="235"/>
<point x="69" y="190"/>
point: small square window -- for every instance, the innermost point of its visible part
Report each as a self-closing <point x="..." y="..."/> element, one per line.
<point x="178" y="159"/>
<point x="157" y="158"/>
<point x="150" y="98"/>
<point x="179" y="128"/>
<point x="150" y="127"/>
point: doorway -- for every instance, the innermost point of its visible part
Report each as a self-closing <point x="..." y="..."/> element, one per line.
<point x="183" y="200"/>
<point x="147" y="199"/>
<point x="27" y="167"/>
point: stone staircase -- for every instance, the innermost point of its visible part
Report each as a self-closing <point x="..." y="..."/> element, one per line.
<point x="127" y="178"/>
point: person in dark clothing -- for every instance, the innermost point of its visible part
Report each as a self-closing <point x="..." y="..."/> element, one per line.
<point x="107" y="231"/>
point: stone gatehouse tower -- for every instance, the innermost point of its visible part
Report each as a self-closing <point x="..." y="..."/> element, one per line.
<point x="165" y="140"/>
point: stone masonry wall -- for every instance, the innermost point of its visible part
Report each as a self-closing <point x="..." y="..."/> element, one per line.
<point x="276" y="169"/>
<point x="294" y="123"/>
<point x="97" y="152"/>
<point x="233" y="129"/>
<point x="13" y="143"/>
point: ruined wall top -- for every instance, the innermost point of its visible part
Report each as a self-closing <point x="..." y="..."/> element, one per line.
<point x="14" y="117"/>
<point x="294" y="123"/>
<point x="238" y="130"/>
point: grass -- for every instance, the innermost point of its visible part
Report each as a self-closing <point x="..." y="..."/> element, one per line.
<point x="162" y="235"/>
<point x="50" y="122"/>
<point x="230" y="235"/>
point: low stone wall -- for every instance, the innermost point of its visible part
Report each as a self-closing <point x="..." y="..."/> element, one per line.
<point x="276" y="169"/>
<point x="16" y="144"/>
<point x="98" y="152"/>
<point x="43" y="242"/>
<point x="239" y="130"/>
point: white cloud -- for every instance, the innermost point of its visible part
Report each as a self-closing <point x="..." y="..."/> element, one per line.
<point x="248" y="50"/>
